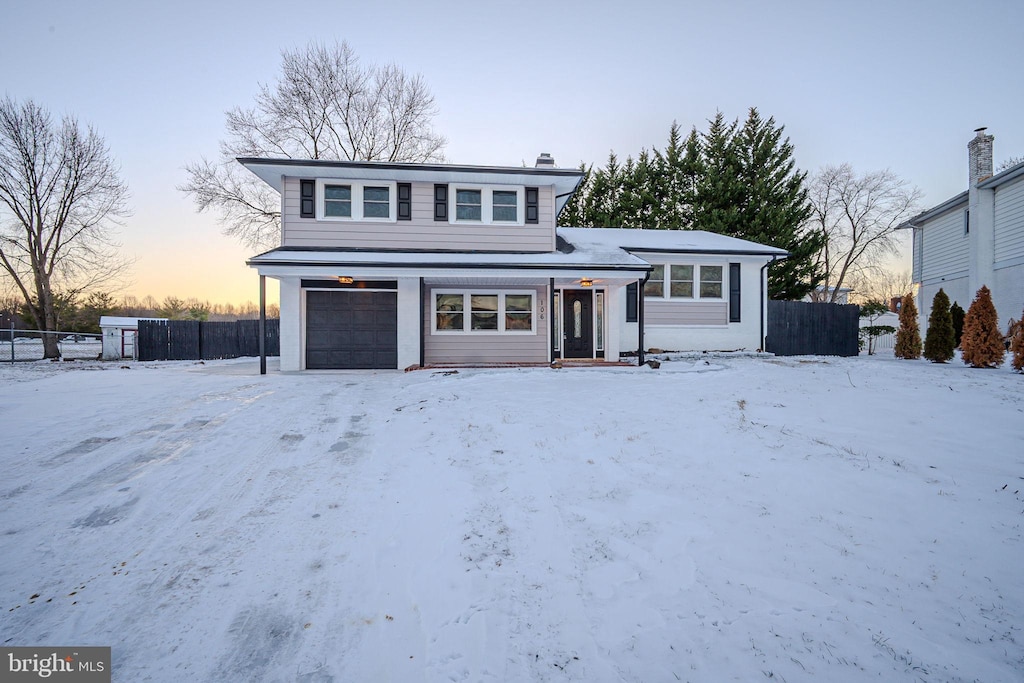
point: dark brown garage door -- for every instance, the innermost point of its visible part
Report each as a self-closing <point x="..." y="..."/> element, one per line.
<point x="351" y="329"/>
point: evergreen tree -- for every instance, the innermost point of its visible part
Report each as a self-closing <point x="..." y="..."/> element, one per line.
<point x="938" y="340"/>
<point x="573" y="214"/>
<point x="957" y="314"/>
<point x="774" y="209"/>
<point x="908" y="338"/>
<point x="719" y="194"/>
<point x="1017" y="343"/>
<point x="982" y="343"/>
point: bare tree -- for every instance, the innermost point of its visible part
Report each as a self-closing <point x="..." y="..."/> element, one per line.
<point x="60" y="195"/>
<point x="876" y="283"/>
<point x="324" y="105"/>
<point x="1009" y="163"/>
<point x="858" y="216"/>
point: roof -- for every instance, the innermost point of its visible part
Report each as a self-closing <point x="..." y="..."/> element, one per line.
<point x="120" y="321"/>
<point x="666" y="241"/>
<point x="1010" y="174"/>
<point x="578" y="248"/>
<point x="273" y="171"/>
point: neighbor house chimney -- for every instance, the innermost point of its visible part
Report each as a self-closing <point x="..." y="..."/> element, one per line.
<point x="546" y="161"/>
<point x="979" y="155"/>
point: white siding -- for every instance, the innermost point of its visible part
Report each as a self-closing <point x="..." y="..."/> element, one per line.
<point x="1008" y="294"/>
<point x="422" y="232"/>
<point x="1009" y="221"/>
<point x="957" y="289"/>
<point x="945" y="248"/>
<point x="487" y="348"/>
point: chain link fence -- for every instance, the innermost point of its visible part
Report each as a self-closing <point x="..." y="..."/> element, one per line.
<point x="27" y="345"/>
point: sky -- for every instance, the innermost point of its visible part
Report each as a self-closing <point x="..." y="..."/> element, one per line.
<point x="897" y="84"/>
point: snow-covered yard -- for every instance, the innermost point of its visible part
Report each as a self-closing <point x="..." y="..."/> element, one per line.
<point x="738" y="519"/>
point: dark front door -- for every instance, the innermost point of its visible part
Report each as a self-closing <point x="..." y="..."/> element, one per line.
<point x="578" y="323"/>
<point x="351" y="329"/>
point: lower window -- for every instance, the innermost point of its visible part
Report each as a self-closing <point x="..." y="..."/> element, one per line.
<point x="468" y="312"/>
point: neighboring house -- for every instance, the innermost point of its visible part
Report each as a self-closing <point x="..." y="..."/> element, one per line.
<point x="975" y="238"/>
<point x="398" y="265"/>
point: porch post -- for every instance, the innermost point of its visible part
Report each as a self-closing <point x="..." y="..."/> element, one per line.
<point x="551" y="320"/>
<point x="263" y="324"/>
<point x="640" y="318"/>
<point x="423" y="323"/>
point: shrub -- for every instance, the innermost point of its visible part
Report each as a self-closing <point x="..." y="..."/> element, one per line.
<point x="908" y="339"/>
<point x="957" y="314"/>
<point x="1017" y="344"/>
<point x="938" y="340"/>
<point x="982" y="344"/>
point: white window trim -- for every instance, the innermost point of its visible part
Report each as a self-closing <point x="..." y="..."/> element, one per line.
<point x="467" y="311"/>
<point x="666" y="283"/>
<point x="357" y="200"/>
<point x="487" y="203"/>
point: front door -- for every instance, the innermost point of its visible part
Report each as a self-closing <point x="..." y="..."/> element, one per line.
<point x="578" y="323"/>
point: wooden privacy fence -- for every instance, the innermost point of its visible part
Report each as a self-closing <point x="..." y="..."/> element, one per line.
<point x="797" y="328"/>
<point x="194" y="340"/>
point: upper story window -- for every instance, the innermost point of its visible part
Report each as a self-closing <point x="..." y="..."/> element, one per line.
<point x="356" y="201"/>
<point x="488" y="204"/>
<point x="467" y="205"/>
<point x="680" y="280"/>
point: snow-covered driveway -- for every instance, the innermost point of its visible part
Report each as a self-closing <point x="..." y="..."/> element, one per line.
<point x="737" y="519"/>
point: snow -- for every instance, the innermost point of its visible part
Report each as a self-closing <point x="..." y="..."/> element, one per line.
<point x="686" y="241"/>
<point x="717" y="519"/>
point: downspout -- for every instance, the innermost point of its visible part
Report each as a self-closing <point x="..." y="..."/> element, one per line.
<point x="764" y="283"/>
<point x="640" y="317"/>
<point x="263" y="324"/>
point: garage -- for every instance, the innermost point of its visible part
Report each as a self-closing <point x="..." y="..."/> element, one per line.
<point x="351" y="329"/>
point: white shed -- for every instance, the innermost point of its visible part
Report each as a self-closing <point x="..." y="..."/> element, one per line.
<point x="119" y="335"/>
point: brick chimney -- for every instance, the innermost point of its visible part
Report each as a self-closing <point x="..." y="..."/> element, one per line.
<point x="979" y="156"/>
<point x="980" y="213"/>
<point x="545" y="160"/>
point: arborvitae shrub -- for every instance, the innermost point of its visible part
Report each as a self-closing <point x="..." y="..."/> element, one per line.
<point x="938" y="340"/>
<point x="908" y="338"/>
<point x="982" y="344"/>
<point x="1017" y="344"/>
<point x="957" y="314"/>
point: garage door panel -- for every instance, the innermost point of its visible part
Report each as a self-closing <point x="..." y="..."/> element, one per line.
<point x="351" y="329"/>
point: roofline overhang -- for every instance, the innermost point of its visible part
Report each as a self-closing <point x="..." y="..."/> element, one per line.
<point x="410" y="166"/>
<point x="1006" y="176"/>
<point x="451" y="265"/>
<point x="937" y="210"/>
<point x="781" y="254"/>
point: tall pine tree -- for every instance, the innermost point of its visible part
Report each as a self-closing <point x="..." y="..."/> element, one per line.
<point x="733" y="180"/>
<point x="775" y="209"/>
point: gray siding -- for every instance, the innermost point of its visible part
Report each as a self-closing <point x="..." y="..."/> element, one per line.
<point x="422" y="232"/>
<point x="1009" y="221"/>
<point x="685" y="312"/>
<point x="918" y="252"/>
<point x="945" y="248"/>
<point x="490" y="348"/>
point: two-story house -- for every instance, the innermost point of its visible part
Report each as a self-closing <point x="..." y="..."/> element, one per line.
<point x="975" y="238"/>
<point x="398" y="265"/>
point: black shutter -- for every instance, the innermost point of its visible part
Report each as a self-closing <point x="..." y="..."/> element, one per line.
<point x="632" y="289"/>
<point x="440" y="202"/>
<point x="734" y="292"/>
<point x="307" y="199"/>
<point x="532" y="203"/>
<point x="405" y="201"/>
